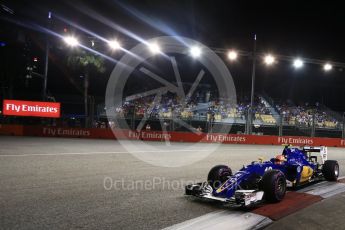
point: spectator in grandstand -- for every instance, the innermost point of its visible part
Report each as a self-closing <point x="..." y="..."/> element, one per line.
<point x="305" y="115"/>
<point x="171" y="106"/>
<point x="199" y="129"/>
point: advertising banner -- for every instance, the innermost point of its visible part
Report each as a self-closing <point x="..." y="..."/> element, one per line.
<point x="51" y="131"/>
<point x="31" y="108"/>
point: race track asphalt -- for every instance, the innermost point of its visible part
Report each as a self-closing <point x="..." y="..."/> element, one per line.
<point x="58" y="183"/>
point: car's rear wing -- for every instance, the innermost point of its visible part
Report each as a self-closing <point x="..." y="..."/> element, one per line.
<point x="321" y="149"/>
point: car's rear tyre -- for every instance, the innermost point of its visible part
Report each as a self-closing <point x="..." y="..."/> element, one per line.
<point x="274" y="185"/>
<point x="218" y="175"/>
<point x="330" y="170"/>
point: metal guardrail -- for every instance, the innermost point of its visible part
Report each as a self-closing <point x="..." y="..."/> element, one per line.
<point x="262" y="124"/>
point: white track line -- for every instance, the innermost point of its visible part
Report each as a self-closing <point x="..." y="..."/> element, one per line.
<point x="324" y="189"/>
<point x="95" y="153"/>
<point x="221" y="220"/>
<point x="116" y="152"/>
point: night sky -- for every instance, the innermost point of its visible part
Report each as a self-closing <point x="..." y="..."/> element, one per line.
<point x="313" y="29"/>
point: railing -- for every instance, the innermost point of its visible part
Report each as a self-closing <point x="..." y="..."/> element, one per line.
<point x="263" y="124"/>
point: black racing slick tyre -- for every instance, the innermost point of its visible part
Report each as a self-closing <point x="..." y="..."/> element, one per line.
<point x="330" y="170"/>
<point x="218" y="175"/>
<point x="274" y="185"/>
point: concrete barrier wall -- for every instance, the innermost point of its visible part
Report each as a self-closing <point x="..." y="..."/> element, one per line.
<point x="19" y="130"/>
<point x="11" y="130"/>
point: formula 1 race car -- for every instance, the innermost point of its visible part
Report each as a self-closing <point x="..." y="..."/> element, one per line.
<point x="266" y="181"/>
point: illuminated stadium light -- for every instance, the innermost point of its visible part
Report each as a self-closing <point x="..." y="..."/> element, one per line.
<point x="114" y="44"/>
<point x="71" y="41"/>
<point x="298" y="63"/>
<point x="154" y="48"/>
<point x="232" y="55"/>
<point x="327" y="67"/>
<point x="269" y="59"/>
<point x="195" y="51"/>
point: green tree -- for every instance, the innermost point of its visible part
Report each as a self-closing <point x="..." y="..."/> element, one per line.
<point x="89" y="64"/>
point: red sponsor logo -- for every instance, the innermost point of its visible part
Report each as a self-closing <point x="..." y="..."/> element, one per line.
<point x="342" y="142"/>
<point x="225" y="138"/>
<point x="66" y="132"/>
<point x="149" y="135"/>
<point x="31" y="108"/>
<point x="296" y="140"/>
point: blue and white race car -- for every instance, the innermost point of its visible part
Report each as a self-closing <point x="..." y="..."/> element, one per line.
<point x="266" y="181"/>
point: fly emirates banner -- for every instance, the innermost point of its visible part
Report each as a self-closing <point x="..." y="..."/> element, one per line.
<point x="31" y="108"/>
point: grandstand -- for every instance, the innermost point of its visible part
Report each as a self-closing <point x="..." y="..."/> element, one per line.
<point x="270" y="117"/>
<point x="306" y="115"/>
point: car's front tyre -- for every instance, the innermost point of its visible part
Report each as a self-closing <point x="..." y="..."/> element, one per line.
<point x="274" y="185"/>
<point x="218" y="175"/>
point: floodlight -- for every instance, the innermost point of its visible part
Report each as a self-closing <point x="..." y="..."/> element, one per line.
<point x="114" y="44"/>
<point x="71" y="41"/>
<point x="327" y="67"/>
<point x="232" y="55"/>
<point x="298" y="63"/>
<point x="154" y="48"/>
<point x="269" y="59"/>
<point x="195" y="51"/>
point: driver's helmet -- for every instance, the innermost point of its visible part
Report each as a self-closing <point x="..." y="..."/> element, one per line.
<point x="279" y="159"/>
